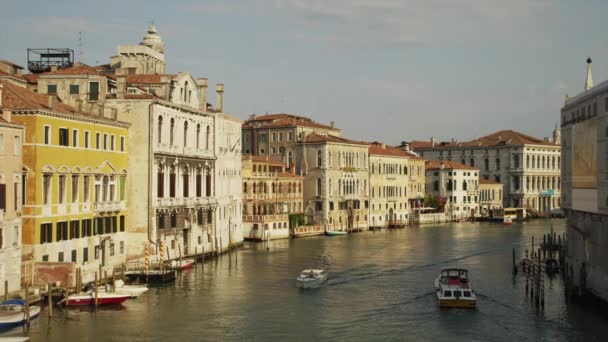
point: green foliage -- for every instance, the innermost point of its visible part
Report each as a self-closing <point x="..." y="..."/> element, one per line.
<point x="431" y="201"/>
<point x="296" y="220"/>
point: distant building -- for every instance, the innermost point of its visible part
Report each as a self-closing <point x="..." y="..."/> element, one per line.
<point x="455" y="186"/>
<point x="277" y="135"/>
<point x="336" y="181"/>
<point x="584" y="126"/>
<point x="390" y="171"/>
<point x="490" y="197"/>
<point x="270" y="195"/>
<point x="528" y="167"/>
<point x="11" y="194"/>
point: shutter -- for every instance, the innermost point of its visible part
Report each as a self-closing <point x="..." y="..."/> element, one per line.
<point x="3" y="196"/>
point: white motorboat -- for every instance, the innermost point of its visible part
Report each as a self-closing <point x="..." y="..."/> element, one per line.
<point x="454" y="289"/>
<point x="12" y="314"/>
<point x="133" y="291"/>
<point x="311" y="278"/>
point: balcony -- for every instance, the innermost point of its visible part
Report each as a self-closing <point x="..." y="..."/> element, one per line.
<point x="99" y="207"/>
<point x="183" y="202"/>
<point x="265" y="218"/>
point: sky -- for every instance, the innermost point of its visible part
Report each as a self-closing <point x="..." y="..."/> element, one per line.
<point x="384" y="70"/>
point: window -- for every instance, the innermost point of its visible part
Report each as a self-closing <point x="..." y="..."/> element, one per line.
<point x="207" y="137"/>
<point x="47" y="135"/>
<point x="51" y="89"/>
<point x="75" y="138"/>
<point x="274" y="137"/>
<point x="62" y="231"/>
<point x="85" y="255"/>
<point x="86" y="182"/>
<point x="93" y="91"/>
<point x="172" y="184"/>
<point x="61" y="189"/>
<point x="122" y="144"/>
<point x="198" y="136"/>
<point x="16" y="238"/>
<point x="112" y="140"/>
<point x="319" y="158"/>
<point x="105" y="141"/>
<point x="160" y="129"/>
<point x="46" y="188"/>
<point x="60" y="257"/>
<point x="185" y="133"/>
<point x="74" y="229"/>
<point x="318" y="186"/>
<point x="3" y="196"/>
<point x="171" y="132"/>
<point x="64" y="139"/>
<point x="97" y="140"/>
<point x="122" y="224"/>
<point x="87" y="137"/>
<point x="447" y="293"/>
<point x="74" y="89"/>
<point x="74" y="188"/>
<point x="290" y="134"/>
<point x="46" y="233"/>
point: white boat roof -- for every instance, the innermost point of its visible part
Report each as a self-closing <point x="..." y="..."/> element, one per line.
<point x="312" y="270"/>
<point x="454" y="269"/>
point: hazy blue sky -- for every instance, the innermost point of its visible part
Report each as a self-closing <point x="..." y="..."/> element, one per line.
<point x="385" y="70"/>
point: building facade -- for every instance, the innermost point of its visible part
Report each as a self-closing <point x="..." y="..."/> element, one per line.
<point x="455" y="186"/>
<point x="270" y="195"/>
<point x="11" y="198"/>
<point x="584" y="125"/>
<point x="390" y="187"/>
<point x="490" y="197"/>
<point x="74" y="180"/>
<point x="336" y="181"/>
<point x="277" y="135"/>
<point x="528" y="167"/>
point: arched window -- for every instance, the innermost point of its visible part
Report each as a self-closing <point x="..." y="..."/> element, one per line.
<point x="185" y="133"/>
<point x="104" y="193"/>
<point x="329" y="159"/>
<point x="318" y="186"/>
<point x="319" y="158"/>
<point x="186" y="92"/>
<point x="289" y="158"/>
<point x="472" y="162"/>
<point x="527" y="161"/>
<point x="245" y="187"/>
<point x="464" y="185"/>
<point x="487" y="164"/>
<point x="172" y="132"/>
<point x="160" y="129"/>
<point x="516" y="161"/>
<point x="207" y="137"/>
<point x="198" y="136"/>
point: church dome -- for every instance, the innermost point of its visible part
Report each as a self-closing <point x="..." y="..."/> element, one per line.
<point x="153" y="40"/>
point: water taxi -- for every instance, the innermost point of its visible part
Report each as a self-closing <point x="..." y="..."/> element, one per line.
<point x="507" y="221"/>
<point x="335" y="232"/>
<point x="454" y="290"/>
<point x="311" y="278"/>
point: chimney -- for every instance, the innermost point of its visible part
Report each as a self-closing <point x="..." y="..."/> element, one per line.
<point x="52" y="104"/>
<point x="383" y="146"/>
<point x="54" y="67"/>
<point x="407" y="147"/>
<point x="219" y="89"/>
<point x="252" y="117"/>
<point x="292" y="168"/>
<point x="201" y="84"/>
<point x="121" y="83"/>
<point x="432" y="141"/>
<point x="332" y="124"/>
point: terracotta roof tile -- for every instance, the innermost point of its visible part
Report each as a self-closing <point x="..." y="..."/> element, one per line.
<point x="316" y="138"/>
<point x="147" y="79"/>
<point x="488" y="181"/>
<point x="448" y="165"/>
<point x="284" y="120"/>
<point x="500" y="138"/>
<point x="19" y="98"/>
<point x="76" y="69"/>
<point x="378" y="149"/>
<point x="262" y="159"/>
<point x="10" y="63"/>
<point x="31" y="78"/>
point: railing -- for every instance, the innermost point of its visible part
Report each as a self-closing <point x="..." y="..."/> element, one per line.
<point x="108" y="206"/>
<point x="265" y="218"/>
<point x="277" y="196"/>
<point x="182" y="202"/>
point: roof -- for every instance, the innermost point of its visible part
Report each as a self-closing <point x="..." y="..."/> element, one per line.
<point x="262" y="159"/>
<point x="76" y="69"/>
<point x="19" y="98"/>
<point x="376" y="148"/>
<point x="328" y="138"/>
<point x="148" y="79"/>
<point x="488" y="181"/>
<point x="283" y="120"/>
<point x="499" y="138"/>
<point x="4" y="61"/>
<point x="6" y="74"/>
<point x="447" y="165"/>
<point x="31" y="78"/>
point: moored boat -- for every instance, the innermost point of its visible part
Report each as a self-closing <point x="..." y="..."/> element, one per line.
<point x="12" y="314"/>
<point x="133" y="291"/>
<point x="335" y="232"/>
<point x="182" y="264"/>
<point x="311" y="278"/>
<point x="454" y="289"/>
<point x="507" y="221"/>
<point x="103" y="298"/>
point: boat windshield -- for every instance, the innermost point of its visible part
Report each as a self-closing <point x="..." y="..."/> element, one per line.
<point x="454" y="273"/>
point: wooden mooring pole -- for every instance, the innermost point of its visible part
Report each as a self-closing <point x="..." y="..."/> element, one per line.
<point x="5" y="290"/>
<point x="96" y="290"/>
<point x="27" y="305"/>
<point x="50" y="300"/>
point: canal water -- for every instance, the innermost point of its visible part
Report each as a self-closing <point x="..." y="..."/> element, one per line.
<point x="380" y="288"/>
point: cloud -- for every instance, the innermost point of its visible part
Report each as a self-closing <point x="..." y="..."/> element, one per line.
<point x="418" y="21"/>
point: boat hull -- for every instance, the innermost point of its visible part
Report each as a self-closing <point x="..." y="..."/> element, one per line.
<point x="102" y="300"/>
<point x="457" y="303"/>
<point x="309" y="284"/>
<point x="18" y="319"/>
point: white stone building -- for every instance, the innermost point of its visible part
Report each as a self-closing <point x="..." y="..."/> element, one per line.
<point x="528" y="167"/>
<point x="336" y="181"/>
<point x="455" y="185"/>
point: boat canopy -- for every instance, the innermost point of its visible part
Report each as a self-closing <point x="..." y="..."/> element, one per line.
<point x="454" y="271"/>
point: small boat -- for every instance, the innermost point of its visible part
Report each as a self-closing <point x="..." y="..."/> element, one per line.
<point x="133" y="291"/>
<point x="454" y="290"/>
<point x="103" y="298"/>
<point x="181" y="264"/>
<point x="335" y="232"/>
<point x="507" y="221"/>
<point x="311" y="278"/>
<point x="12" y="314"/>
<point x="552" y="266"/>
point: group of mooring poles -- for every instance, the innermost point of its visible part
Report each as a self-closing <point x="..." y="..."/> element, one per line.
<point x="534" y="269"/>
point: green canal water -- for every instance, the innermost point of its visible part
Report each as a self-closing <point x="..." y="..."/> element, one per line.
<point x="380" y="288"/>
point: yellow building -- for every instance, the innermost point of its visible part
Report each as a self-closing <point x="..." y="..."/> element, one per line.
<point x="75" y="171"/>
